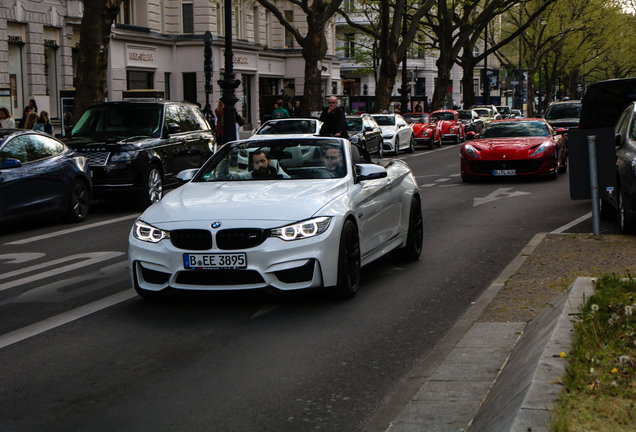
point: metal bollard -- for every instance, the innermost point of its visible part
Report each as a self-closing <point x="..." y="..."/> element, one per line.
<point x="596" y="220"/>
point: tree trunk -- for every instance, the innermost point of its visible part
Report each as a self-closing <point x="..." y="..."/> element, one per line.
<point x="93" y="53"/>
<point x="385" y="84"/>
<point x="314" y="50"/>
<point x="444" y="64"/>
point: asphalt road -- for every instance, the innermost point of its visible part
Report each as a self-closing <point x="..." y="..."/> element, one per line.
<point x="80" y="352"/>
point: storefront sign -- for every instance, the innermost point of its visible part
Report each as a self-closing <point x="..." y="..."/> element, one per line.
<point x="140" y="56"/>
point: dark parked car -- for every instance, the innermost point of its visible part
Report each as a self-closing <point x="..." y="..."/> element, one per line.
<point x="604" y="102"/>
<point x="40" y="176"/>
<point x="365" y="132"/>
<point x="565" y="114"/>
<point x="471" y="120"/>
<point x="624" y="198"/>
<point x="139" y="147"/>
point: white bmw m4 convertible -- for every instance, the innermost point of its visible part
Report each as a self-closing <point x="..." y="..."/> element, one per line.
<point x="306" y="212"/>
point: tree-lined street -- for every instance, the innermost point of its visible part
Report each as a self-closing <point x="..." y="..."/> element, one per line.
<point x="79" y="351"/>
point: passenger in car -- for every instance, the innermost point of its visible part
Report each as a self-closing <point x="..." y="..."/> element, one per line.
<point x="263" y="168"/>
<point x="334" y="162"/>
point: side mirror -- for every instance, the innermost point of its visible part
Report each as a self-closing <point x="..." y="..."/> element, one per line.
<point x="617" y="140"/>
<point x="11" y="163"/>
<point x="173" y="128"/>
<point x="470" y="135"/>
<point x="370" y="172"/>
<point x="539" y="116"/>
<point x="561" y="131"/>
<point x="186" y="175"/>
<point x="368" y="128"/>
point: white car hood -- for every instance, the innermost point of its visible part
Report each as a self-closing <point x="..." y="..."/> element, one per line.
<point x="286" y="200"/>
<point x="388" y="129"/>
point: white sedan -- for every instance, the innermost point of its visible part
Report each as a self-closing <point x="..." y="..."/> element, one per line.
<point x="289" y="224"/>
<point x="288" y="126"/>
<point x="396" y="133"/>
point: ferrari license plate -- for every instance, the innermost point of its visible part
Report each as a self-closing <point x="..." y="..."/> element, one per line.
<point x="214" y="261"/>
<point x="504" y="172"/>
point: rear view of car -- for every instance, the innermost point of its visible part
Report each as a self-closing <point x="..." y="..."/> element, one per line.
<point x="564" y="114"/>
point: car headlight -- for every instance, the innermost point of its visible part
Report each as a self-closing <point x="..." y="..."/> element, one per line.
<point x="543" y="147"/>
<point x="389" y="136"/>
<point x="124" y="156"/>
<point x="471" y="151"/>
<point x="302" y="230"/>
<point x="354" y="139"/>
<point x="452" y="130"/>
<point x="147" y="233"/>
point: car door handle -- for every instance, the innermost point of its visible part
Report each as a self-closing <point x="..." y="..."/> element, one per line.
<point x="389" y="182"/>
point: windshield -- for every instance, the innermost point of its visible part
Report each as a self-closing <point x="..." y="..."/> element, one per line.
<point x="465" y="115"/>
<point x="286" y="127"/>
<point x="515" y="129"/>
<point x="482" y="112"/>
<point x="120" y="121"/>
<point x="320" y="158"/>
<point x="416" y="118"/>
<point x="385" y="120"/>
<point x="503" y="109"/>
<point x="354" y="124"/>
<point x="560" y="111"/>
<point x="442" y="116"/>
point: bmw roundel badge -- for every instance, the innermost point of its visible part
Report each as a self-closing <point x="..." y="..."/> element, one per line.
<point x="216" y="224"/>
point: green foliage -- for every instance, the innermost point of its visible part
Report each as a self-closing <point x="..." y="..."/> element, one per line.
<point x="600" y="382"/>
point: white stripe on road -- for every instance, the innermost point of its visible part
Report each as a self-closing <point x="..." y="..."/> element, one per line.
<point x="571" y="224"/>
<point x="72" y="230"/>
<point x="65" y="318"/>
<point x="87" y="259"/>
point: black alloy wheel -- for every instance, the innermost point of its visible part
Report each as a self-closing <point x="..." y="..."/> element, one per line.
<point x="348" y="262"/>
<point x="79" y="202"/>
<point x="411" y="147"/>
<point x="396" y="150"/>
<point x="627" y="225"/>
<point x="564" y="165"/>
<point x="414" y="237"/>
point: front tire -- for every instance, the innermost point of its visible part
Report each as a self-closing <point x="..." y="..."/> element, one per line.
<point x="348" y="262"/>
<point x="396" y="150"/>
<point x="627" y="224"/>
<point x="564" y="167"/>
<point x="412" y="250"/>
<point x="153" y="186"/>
<point x="79" y="202"/>
<point x="381" y="150"/>
<point x="411" y="147"/>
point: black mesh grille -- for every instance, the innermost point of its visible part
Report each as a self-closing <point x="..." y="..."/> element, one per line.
<point x="242" y="238"/>
<point x="219" y="277"/>
<point x="521" y="166"/>
<point x="191" y="239"/>
<point x="154" y="277"/>
<point x="298" y="274"/>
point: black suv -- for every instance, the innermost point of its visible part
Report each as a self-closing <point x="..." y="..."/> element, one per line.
<point x="565" y="114"/>
<point x="138" y="147"/>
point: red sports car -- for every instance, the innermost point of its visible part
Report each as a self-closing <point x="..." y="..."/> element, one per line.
<point x="515" y="147"/>
<point x="449" y="125"/>
<point x="423" y="131"/>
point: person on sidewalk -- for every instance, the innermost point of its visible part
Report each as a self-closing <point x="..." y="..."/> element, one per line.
<point x="43" y="124"/>
<point x="280" y="112"/>
<point x="333" y="120"/>
<point x="6" y="119"/>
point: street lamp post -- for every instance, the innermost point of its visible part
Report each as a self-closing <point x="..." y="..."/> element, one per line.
<point x="486" y="75"/>
<point x="519" y="94"/>
<point x="207" y="68"/>
<point x="229" y="83"/>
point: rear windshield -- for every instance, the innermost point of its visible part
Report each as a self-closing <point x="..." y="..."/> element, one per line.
<point x="385" y="120"/>
<point x="563" y="111"/>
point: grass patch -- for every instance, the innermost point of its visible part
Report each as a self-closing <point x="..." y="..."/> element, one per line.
<point x="600" y="384"/>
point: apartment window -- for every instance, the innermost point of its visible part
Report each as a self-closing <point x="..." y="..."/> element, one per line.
<point x="50" y="70"/>
<point x="166" y="83"/>
<point x="239" y="22"/>
<point x="476" y="86"/>
<point x="187" y="17"/>
<point x="348" y="5"/>
<point x="289" y="37"/>
<point x="257" y="27"/>
<point x="139" y="80"/>
<point x="190" y="86"/>
<point x="220" y="19"/>
<point x="349" y="47"/>
<point x="268" y="29"/>
<point x="125" y="12"/>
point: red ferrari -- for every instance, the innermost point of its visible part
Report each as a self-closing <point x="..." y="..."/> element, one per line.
<point x="423" y="131"/>
<point x="515" y="147"/>
<point x="449" y="125"/>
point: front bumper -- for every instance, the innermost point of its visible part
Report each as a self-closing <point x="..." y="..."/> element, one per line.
<point x="285" y="265"/>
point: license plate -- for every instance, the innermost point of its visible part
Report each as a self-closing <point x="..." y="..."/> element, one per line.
<point x="214" y="261"/>
<point x="504" y="172"/>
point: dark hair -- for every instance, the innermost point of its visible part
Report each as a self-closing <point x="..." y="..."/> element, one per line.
<point x="279" y="103"/>
<point x="6" y="111"/>
<point x="33" y="105"/>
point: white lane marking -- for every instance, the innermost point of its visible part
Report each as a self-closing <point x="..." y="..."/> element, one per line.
<point x="454" y="175"/>
<point x="427" y="153"/>
<point x="59" y="291"/>
<point x="266" y="308"/>
<point x="428" y="185"/>
<point x="497" y="195"/>
<point x="449" y="185"/>
<point x="72" y="230"/>
<point x="88" y="259"/>
<point x="18" y="258"/>
<point x="571" y="224"/>
<point x="429" y="175"/>
<point x="59" y="320"/>
<point x="442" y="180"/>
